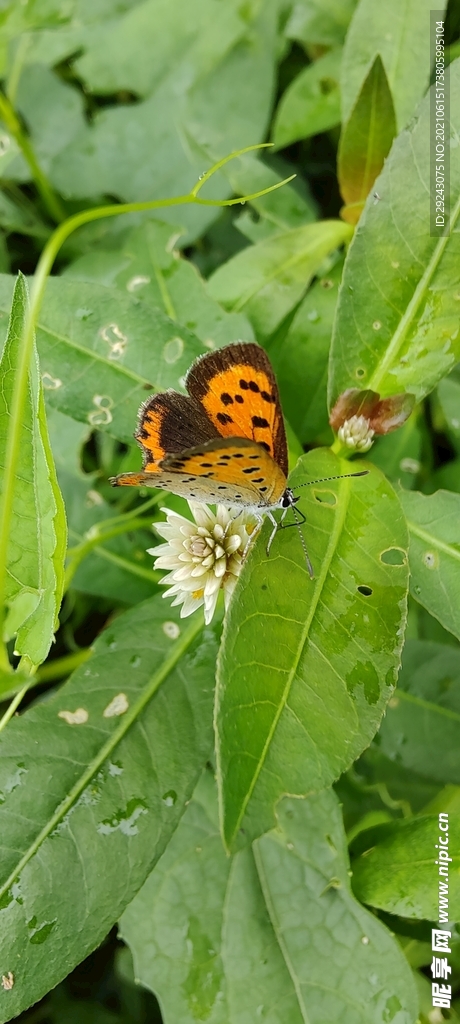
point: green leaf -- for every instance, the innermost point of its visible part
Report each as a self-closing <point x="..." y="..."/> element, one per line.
<point x="212" y="95"/>
<point x="93" y="789"/>
<point x="149" y="44"/>
<point x="311" y="103"/>
<point x="398" y="871"/>
<point x="37" y="539"/>
<point x="266" y="280"/>
<point x="346" y="966"/>
<point x="448" y="393"/>
<point x="148" y="265"/>
<point x="322" y="22"/>
<point x="289" y="207"/>
<point x="294" y="716"/>
<point x="434" y="553"/>
<point x="20" y="216"/>
<point x="397" y="319"/>
<point x="53" y="112"/>
<point x="18" y="18"/>
<point x="306" y="344"/>
<point x="102" y="352"/>
<point x="365" y="141"/>
<point x="421" y="727"/>
<point x="399" y="31"/>
<point x="251" y="936"/>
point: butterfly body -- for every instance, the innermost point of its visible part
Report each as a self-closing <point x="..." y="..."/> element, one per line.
<point x="225" y="441"/>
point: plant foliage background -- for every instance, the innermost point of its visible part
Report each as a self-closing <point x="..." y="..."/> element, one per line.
<point x="279" y="866"/>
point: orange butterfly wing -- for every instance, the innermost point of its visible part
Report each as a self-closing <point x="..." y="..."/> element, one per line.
<point x="237" y="388"/>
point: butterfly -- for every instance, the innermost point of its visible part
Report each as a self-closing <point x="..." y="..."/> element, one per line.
<point x="224" y="442"/>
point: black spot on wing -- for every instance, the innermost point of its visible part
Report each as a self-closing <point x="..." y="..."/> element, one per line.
<point x="223" y="418"/>
<point x="260" y="421"/>
<point x="226" y="398"/>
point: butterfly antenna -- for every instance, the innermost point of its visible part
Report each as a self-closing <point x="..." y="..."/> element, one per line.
<point x="302" y="540"/>
<point x="326" y="479"/>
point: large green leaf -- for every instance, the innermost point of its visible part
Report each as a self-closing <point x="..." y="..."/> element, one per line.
<point x="53" y="112"/>
<point x="294" y="715"/>
<point x="211" y="96"/>
<point x="397" y="319"/>
<point x="399" y="31"/>
<point x="147" y="265"/>
<point x="266" y="280"/>
<point x="156" y="40"/>
<point x="398" y="871"/>
<point x="300" y="358"/>
<point x="434" y="553"/>
<point x="37" y="539"/>
<point x="348" y="967"/>
<point x="422" y="723"/>
<point x="323" y="22"/>
<point x="19" y="18"/>
<point x="93" y="783"/>
<point x="365" y="141"/>
<point x="251" y="937"/>
<point x="102" y="352"/>
<point x="311" y="103"/>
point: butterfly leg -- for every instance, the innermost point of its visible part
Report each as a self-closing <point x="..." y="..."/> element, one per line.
<point x="252" y="536"/>
<point x="275" y="528"/>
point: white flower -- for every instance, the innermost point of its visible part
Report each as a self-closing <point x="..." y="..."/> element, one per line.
<point x="202" y="556"/>
<point x="356" y="433"/>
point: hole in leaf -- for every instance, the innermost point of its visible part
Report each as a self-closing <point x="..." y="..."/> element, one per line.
<point x="360" y="371"/>
<point x="393" y="556"/>
<point x="326" y="497"/>
<point x="366" y="591"/>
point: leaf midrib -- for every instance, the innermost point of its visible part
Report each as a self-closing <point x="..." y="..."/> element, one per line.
<point x="432" y="540"/>
<point x="427" y="705"/>
<point x="290" y="262"/>
<point x="397" y="341"/>
<point x="91" y="354"/>
<point x="334" y="538"/>
<point x="106" y="750"/>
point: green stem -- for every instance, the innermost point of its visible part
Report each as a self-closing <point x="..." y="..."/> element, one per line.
<point x="134" y="513"/>
<point x="49" y="197"/>
<point x="60" y="667"/>
<point x="95" y="538"/>
<point x="44" y="266"/>
<point x="12" y="707"/>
